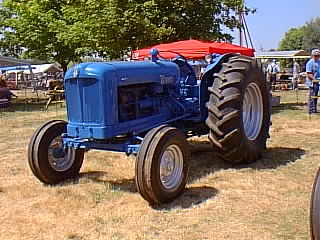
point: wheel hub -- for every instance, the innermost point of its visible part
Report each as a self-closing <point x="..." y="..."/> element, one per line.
<point x="60" y="159"/>
<point x="252" y="111"/>
<point x="58" y="152"/>
<point x="171" y="167"/>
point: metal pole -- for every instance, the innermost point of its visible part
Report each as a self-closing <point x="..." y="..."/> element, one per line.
<point x="241" y="27"/>
<point x="247" y="29"/>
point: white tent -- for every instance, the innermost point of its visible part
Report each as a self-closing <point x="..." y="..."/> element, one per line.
<point x="41" y="68"/>
<point x="20" y="74"/>
<point x="295" y="54"/>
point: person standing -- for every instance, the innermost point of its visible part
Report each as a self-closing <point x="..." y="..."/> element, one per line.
<point x="5" y="93"/>
<point x="313" y="77"/>
<point x="295" y="75"/>
<point x="272" y="70"/>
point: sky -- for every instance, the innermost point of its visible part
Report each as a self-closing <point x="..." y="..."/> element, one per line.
<point x="274" y="17"/>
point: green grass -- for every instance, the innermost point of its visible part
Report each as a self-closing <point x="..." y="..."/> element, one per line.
<point x="20" y="110"/>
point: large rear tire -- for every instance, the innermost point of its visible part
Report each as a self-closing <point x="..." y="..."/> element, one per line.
<point x="239" y="111"/>
<point x="162" y="165"/>
<point x="315" y="209"/>
<point x="48" y="159"/>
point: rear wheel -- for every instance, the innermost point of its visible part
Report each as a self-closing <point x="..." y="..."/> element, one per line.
<point x="162" y="165"/>
<point x="239" y="111"/>
<point x="315" y="209"/>
<point x="49" y="161"/>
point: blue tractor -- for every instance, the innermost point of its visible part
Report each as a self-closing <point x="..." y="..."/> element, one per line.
<point x="149" y="109"/>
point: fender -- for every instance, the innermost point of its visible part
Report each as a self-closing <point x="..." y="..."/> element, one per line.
<point x="207" y="80"/>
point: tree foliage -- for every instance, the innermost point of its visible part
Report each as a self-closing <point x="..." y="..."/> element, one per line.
<point x="293" y="39"/>
<point x="312" y="34"/>
<point x="306" y="37"/>
<point x="65" y="30"/>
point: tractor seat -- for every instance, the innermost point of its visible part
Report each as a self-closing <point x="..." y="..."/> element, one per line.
<point x="186" y="70"/>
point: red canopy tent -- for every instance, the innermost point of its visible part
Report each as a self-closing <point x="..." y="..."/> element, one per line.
<point x="192" y="49"/>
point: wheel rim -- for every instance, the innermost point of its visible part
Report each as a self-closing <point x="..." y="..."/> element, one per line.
<point x="171" y="167"/>
<point x="252" y="111"/>
<point x="60" y="159"/>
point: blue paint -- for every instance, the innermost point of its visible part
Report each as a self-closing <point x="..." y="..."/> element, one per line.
<point x="154" y="55"/>
<point x="111" y="106"/>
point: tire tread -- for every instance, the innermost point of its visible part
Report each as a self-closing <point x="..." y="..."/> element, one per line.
<point x="224" y="110"/>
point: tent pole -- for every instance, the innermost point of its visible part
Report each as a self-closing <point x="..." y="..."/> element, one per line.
<point x="240" y="27"/>
<point x="16" y="79"/>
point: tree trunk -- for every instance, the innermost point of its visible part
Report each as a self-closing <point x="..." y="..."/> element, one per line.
<point x="64" y="67"/>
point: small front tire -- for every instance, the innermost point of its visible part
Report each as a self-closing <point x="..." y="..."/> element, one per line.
<point x="162" y="165"/>
<point x="48" y="159"/>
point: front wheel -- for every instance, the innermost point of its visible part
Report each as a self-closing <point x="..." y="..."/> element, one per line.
<point x="49" y="161"/>
<point x="162" y="165"/>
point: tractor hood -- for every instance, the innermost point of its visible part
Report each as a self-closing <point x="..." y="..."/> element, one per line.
<point x="127" y="73"/>
<point x="95" y="91"/>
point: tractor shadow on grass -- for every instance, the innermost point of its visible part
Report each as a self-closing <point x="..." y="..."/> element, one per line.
<point x="126" y="185"/>
<point x="273" y="158"/>
<point x="204" y="161"/>
<point x="192" y="196"/>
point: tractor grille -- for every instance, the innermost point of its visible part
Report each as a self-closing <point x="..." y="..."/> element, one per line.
<point x="83" y="97"/>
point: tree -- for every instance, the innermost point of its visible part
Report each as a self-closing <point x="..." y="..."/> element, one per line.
<point x="65" y="30"/>
<point x="119" y="25"/>
<point x="293" y="39"/>
<point x="33" y="26"/>
<point x="8" y="45"/>
<point x="306" y="37"/>
<point x="312" y="34"/>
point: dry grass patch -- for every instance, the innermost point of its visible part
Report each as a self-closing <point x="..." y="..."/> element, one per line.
<point x="265" y="200"/>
